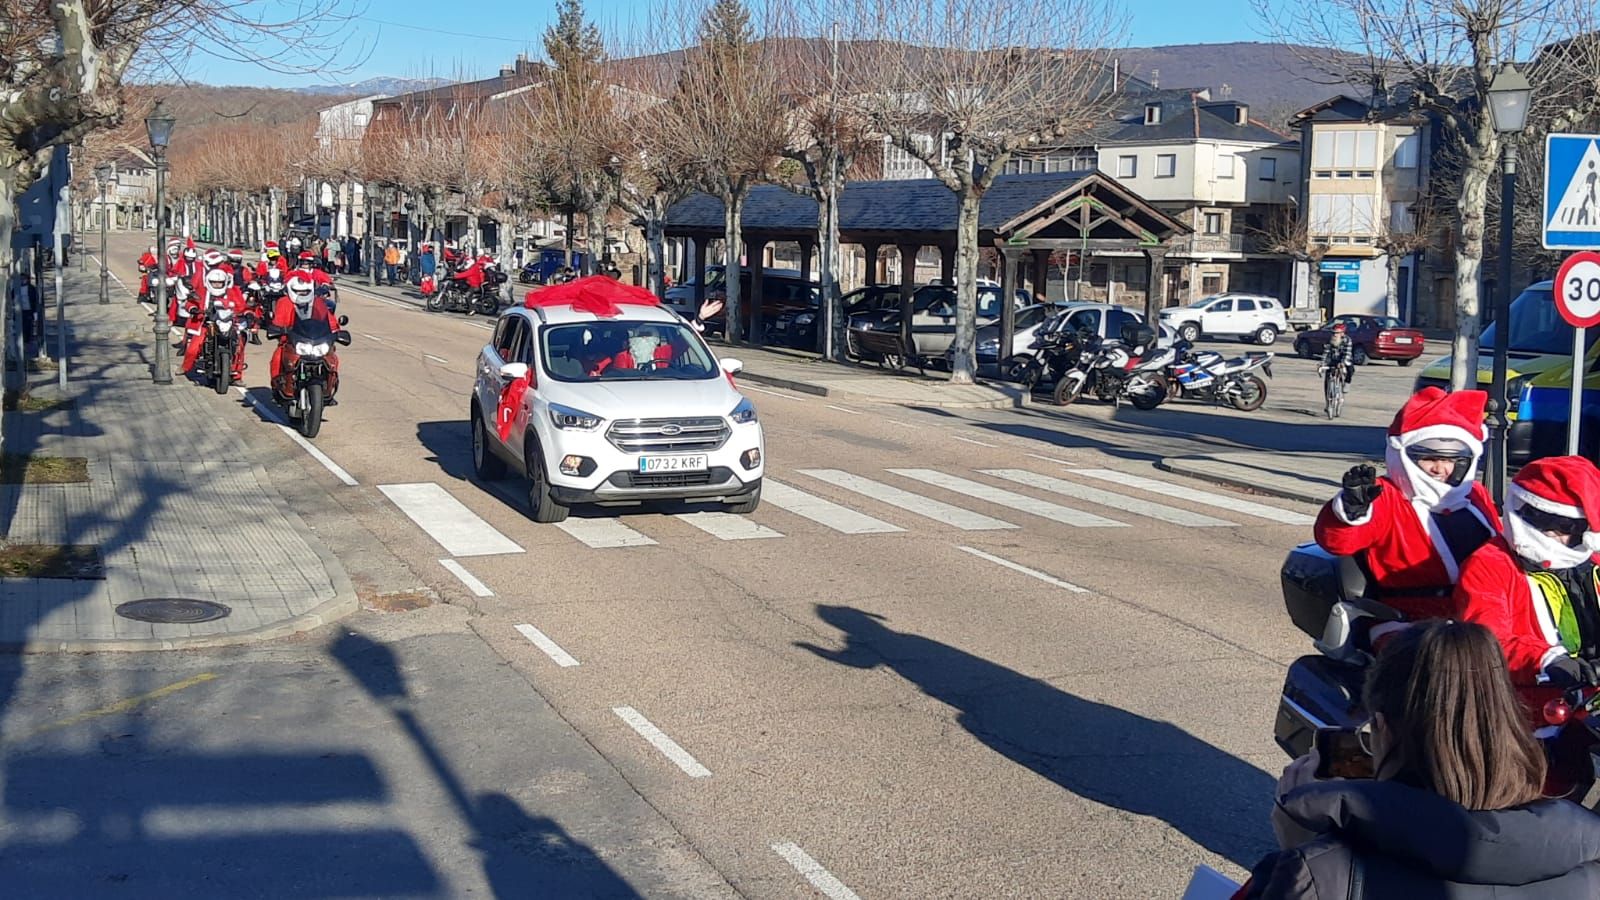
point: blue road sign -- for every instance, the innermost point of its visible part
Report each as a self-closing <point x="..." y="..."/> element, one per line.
<point x="1572" y="192"/>
<point x="1341" y="265"/>
<point x="1348" y="284"/>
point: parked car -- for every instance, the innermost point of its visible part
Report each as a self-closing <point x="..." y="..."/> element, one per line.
<point x="933" y="316"/>
<point x="798" y="327"/>
<point x="681" y="296"/>
<point x="1102" y="319"/>
<point x="1375" y="337"/>
<point x="1247" y="316"/>
<point x="623" y="409"/>
<point x="1540" y="340"/>
<point x="781" y="290"/>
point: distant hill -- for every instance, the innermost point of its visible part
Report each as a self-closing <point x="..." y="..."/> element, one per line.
<point x="195" y="106"/>
<point x="389" y="86"/>
<point x="1274" y="79"/>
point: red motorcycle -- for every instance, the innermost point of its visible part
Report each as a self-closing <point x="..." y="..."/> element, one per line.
<point x="308" y="378"/>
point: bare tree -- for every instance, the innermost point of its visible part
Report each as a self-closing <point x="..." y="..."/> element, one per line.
<point x="1404" y="233"/>
<point x="1441" y="56"/>
<point x="964" y="85"/>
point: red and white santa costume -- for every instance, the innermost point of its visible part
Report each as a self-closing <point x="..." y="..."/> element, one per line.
<point x="308" y="269"/>
<point x="1401" y="537"/>
<point x="232" y="298"/>
<point x="287" y="312"/>
<point x="148" y="263"/>
<point x="1519" y="587"/>
<point x="271" y="259"/>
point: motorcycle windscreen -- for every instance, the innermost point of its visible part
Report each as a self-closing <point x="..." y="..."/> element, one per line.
<point x="311" y="331"/>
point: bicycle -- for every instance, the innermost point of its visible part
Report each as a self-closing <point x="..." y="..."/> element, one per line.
<point x="1333" y="388"/>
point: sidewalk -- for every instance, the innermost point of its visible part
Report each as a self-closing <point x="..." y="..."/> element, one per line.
<point x="1307" y="477"/>
<point x="176" y="504"/>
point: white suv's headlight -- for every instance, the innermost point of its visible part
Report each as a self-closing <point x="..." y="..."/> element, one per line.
<point x="744" y="413"/>
<point x="569" y="419"/>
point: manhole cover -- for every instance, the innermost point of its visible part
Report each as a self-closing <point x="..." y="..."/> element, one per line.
<point x="172" y="610"/>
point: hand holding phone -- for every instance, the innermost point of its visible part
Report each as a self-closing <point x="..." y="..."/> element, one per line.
<point x="1341" y="755"/>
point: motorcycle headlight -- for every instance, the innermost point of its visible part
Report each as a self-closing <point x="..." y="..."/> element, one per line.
<point x="805" y="318"/>
<point x="744" y="413"/>
<point x="306" y="348"/>
<point x="569" y="419"/>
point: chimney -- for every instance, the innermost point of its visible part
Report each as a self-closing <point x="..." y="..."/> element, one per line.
<point x="507" y="71"/>
<point x="1155" y="78"/>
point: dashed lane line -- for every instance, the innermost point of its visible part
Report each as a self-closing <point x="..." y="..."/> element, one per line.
<point x="272" y="415"/>
<point x="659" y="740"/>
<point x="478" y="588"/>
<point x="820" y="878"/>
<point x="1031" y="573"/>
<point x="551" y="649"/>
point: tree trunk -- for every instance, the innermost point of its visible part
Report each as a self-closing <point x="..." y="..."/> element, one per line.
<point x="1471" y="204"/>
<point x="595" y="225"/>
<point x="732" y="227"/>
<point x="8" y="217"/>
<point x="963" y="359"/>
<point x="1392" y="287"/>
<point x="655" y="239"/>
<point x="828" y="266"/>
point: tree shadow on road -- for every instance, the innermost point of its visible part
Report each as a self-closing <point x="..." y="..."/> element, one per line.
<point x="1099" y="752"/>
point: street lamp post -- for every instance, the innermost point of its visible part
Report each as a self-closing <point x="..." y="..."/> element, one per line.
<point x="1510" y="95"/>
<point x="159" y="126"/>
<point x="102" y="178"/>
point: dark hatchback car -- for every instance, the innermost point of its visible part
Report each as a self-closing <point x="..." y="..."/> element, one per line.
<point x="798" y="327"/>
<point x="1375" y="337"/>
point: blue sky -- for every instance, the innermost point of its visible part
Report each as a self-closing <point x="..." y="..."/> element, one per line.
<point x="411" y="38"/>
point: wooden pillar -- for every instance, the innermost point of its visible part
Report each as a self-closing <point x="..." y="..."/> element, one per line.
<point x="755" y="250"/>
<point x="1010" y="259"/>
<point x="701" y="244"/>
<point x="1156" y="257"/>
<point x="807" y="248"/>
<point x="872" y="261"/>
<point x="1041" y="274"/>
<point x="908" y="286"/>
<point x="947" y="264"/>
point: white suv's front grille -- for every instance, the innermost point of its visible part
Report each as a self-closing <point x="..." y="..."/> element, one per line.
<point x="668" y="435"/>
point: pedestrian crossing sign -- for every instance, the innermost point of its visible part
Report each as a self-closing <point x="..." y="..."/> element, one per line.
<point x="1572" y="192"/>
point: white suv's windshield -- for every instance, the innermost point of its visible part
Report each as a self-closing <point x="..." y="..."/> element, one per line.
<point x="619" y="350"/>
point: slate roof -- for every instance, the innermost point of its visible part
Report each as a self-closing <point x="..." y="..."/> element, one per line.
<point x="920" y="205"/>
<point x="1186" y="116"/>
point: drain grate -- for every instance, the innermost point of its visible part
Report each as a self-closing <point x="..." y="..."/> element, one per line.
<point x="172" y="610"/>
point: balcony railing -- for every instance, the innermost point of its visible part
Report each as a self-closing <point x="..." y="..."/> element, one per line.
<point x="1215" y="243"/>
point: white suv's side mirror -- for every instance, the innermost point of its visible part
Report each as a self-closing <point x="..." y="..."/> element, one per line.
<point x="732" y="366"/>
<point x="513" y="371"/>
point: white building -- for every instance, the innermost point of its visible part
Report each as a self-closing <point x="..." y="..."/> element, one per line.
<point x="340" y="203"/>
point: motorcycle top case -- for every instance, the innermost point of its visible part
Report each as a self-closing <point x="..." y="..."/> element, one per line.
<point x="1314" y="580"/>
<point x="1318" y="692"/>
<point x="1137" y="334"/>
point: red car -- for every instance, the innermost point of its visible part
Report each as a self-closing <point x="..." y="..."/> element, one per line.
<point x="1375" y="337"/>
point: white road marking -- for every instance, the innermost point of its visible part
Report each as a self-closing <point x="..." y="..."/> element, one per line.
<point x="899" y="423"/>
<point x="551" y="649"/>
<point x="1107" y="498"/>
<point x="478" y="588"/>
<point x="1045" y="510"/>
<point x="1018" y="567"/>
<point x="460" y="531"/>
<point x="372" y="337"/>
<point x="820" y="878"/>
<point x="120" y="283"/>
<point x="843" y="410"/>
<point x="727" y="526"/>
<point x="440" y="361"/>
<point x="823" y="512"/>
<point x="658" y="739"/>
<point x="746" y="387"/>
<point x="604" y="533"/>
<point x="972" y="441"/>
<point x="964" y="519"/>
<point x="1052" y="459"/>
<point x="273" y="416"/>
<point x="1205" y="498"/>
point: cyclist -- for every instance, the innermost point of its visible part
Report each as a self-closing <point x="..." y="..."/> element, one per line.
<point x="1337" y="367"/>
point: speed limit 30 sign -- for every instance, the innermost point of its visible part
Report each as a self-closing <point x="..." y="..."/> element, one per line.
<point x="1577" y="289"/>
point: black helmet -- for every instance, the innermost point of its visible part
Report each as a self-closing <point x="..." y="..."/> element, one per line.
<point x="1445" y="448"/>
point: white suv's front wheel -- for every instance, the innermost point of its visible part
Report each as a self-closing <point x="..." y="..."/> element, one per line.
<point x="542" y="507"/>
<point x="1266" y="334"/>
<point x="1189" y="331"/>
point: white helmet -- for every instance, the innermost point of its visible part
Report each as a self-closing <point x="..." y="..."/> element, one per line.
<point x="302" y="292"/>
<point x="217" y="281"/>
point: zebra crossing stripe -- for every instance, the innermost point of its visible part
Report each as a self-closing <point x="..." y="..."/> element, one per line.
<point x="964" y="519"/>
<point x="727" y="526"/>
<point x="1107" y="498"/>
<point x="602" y="534"/>
<point x="1205" y="498"/>
<point x="824" y="512"/>
<point x="1011" y="500"/>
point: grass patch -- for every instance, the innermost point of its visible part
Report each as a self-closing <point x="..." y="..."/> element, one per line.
<point x="16" y="468"/>
<point x="50" y="561"/>
<point x="34" y="404"/>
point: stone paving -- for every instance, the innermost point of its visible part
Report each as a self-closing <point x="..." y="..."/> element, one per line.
<point x="177" y="503"/>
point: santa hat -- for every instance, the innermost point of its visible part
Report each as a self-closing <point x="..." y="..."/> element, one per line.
<point x="305" y="256"/>
<point x="270" y="246"/>
<point x="1431" y="414"/>
<point x="1565" y="486"/>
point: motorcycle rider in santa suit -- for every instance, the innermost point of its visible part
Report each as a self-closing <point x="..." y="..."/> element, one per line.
<point x="148" y="263"/>
<point x="219" y="287"/>
<point x="271" y="259"/>
<point x="299" y="301"/>
<point x="1415" y="527"/>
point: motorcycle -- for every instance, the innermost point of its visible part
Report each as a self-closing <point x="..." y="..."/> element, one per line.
<point x="456" y="295"/>
<point x="306" y="382"/>
<point x="1206" y="375"/>
<point x="1053" y="350"/>
<point x="1107" y="366"/>
<point x="224" y="342"/>
<point x="1148" y="384"/>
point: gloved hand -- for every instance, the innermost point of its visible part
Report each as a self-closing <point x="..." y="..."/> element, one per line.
<point x="1361" y="487"/>
<point x="1571" y="671"/>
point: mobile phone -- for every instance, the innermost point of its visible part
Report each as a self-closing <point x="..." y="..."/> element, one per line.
<point x="1339" y="754"/>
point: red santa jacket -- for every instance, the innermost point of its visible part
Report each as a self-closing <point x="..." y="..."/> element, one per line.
<point x="472" y="274"/>
<point x="317" y="276"/>
<point x="284" y="315"/>
<point x="1526" y="611"/>
<point x="279" y="263"/>
<point x="147" y="262"/>
<point x="1412" y="565"/>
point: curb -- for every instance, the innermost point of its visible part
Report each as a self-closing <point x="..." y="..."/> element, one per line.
<point x="1012" y="400"/>
<point x="1177" y="467"/>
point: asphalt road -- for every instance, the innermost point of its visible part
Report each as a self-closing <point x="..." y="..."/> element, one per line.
<point x="992" y="663"/>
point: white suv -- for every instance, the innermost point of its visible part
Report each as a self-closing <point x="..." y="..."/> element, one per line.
<point x="626" y="409"/>
<point x="1247" y="316"/>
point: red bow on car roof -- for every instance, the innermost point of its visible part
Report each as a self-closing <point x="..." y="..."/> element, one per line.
<point x="598" y="294"/>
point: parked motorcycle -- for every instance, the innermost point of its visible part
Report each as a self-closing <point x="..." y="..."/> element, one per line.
<point x="306" y="382"/>
<point x="1053" y="350"/>
<point x="1106" y="367"/>
<point x="1206" y="375"/>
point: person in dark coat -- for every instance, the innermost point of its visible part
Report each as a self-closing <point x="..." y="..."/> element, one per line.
<point x="1456" y="810"/>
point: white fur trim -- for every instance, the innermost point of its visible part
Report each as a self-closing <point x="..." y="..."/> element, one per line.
<point x="1341" y="515"/>
<point x="1538" y="548"/>
<point x="1425" y="492"/>
<point x="1521" y="495"/>
<point x="1432" y="432"/>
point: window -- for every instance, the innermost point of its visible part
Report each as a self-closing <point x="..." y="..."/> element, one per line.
<point x="1225" y="164"/>
<point x="1210" y="284"/>
<point x="1401" y="220"/>
<point x="1342" y="214"/>
<point x="1166" y="165"/>
<point x="612" y="350"/>
<point x="1221" y="306"/>
<point x="1127" y="167"/>
<point x="1152" y="114"/>
<point x="1117" y="318"/>
<point x="510" y="337"/>
<point x="1269" y="168"/>
<point x="1213" y="223"/>
<point x="1084" y="320"/>
<point x="1406" y="148"/>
